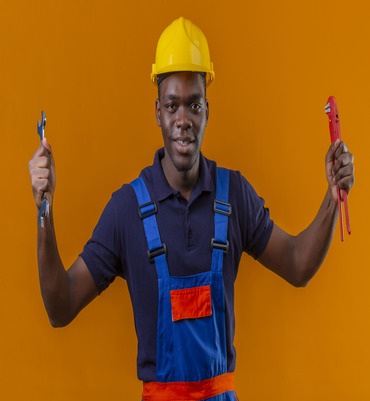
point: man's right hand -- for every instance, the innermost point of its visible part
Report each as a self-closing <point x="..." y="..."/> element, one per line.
<point x="42" y="172"/>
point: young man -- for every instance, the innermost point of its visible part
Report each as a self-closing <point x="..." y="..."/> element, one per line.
<point x="176" y="234"/>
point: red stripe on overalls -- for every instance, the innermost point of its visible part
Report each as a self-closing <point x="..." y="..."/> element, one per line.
<point x="189" y="391"/>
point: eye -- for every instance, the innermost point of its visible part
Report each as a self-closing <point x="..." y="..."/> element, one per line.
<point x="171" y="107"/>
<point x="195" y="107"/>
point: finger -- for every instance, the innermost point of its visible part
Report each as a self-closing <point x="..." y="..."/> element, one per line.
<point x="38" y="162"/>
<point x="346" y="183"/>
<point x="41" y="186"/>
<point x="345" y="159"/>
<point x="345" y="177"/>
<point x="345" y="171"/>
<point x="341" y="149"/>
<point x="40" y="173"/>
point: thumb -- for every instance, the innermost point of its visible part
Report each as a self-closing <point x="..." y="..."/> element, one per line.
<point x="330" y="161"/>
<point x="333" y="148"/>
<point x="46" y="145"/>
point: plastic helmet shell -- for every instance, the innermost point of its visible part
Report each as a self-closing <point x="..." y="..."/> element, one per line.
<point x="182" y="47"/>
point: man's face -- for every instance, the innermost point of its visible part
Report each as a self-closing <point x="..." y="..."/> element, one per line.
<point x="182" y="114"/>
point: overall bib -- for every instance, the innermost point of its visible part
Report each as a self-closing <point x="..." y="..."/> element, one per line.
<point x="191" y="360"/>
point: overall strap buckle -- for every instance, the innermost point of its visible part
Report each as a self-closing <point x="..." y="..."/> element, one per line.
<point x="220" y="245"/>
<point x="222" y="207"/>
<point x="157" y="252"/>
<point x="147" y="209"/>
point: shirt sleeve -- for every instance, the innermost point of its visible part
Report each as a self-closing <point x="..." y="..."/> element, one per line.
<point x="102" y="252"/>
<point x="256" y="219"/>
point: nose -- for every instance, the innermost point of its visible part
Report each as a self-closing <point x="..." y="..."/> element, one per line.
<point x="183" y="121"/>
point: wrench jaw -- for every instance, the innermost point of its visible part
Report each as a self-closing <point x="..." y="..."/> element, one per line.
<point x="41" y="126"/>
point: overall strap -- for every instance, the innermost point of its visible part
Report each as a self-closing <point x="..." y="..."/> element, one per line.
<point x="147" y="211"/>
<point x="222" y="209"/>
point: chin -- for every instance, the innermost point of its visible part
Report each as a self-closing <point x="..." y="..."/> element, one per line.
<point x="183" y="166"/>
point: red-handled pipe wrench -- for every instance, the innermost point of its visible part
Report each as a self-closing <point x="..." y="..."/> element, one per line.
<point x="332" y="111"/>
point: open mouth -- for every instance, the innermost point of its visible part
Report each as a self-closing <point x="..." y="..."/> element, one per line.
<point x="184" y="143"/>
<point x="184" y="146"/>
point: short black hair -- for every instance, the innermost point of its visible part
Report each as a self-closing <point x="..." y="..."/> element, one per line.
<point x="162" y="77"/>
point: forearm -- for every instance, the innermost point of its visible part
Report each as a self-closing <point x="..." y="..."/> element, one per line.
<point x="297" y="258"/>
<point x="54" y="281"/>
<point x="312" y="244"/>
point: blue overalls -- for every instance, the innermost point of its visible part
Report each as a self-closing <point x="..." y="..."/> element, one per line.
<point x="191" y="360"/>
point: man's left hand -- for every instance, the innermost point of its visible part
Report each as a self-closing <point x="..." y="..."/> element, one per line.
<point x="339" y="168"/>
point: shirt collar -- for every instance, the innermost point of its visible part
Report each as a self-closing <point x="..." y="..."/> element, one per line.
<point x="162" y="189"/>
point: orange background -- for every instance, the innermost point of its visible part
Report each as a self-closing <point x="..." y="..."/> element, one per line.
<point x="87" y="64"/>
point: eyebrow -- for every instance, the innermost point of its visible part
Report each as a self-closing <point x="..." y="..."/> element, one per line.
<point x="194" y="96"/>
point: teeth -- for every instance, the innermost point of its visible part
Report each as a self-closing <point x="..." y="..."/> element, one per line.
<point x="183" y="143"/>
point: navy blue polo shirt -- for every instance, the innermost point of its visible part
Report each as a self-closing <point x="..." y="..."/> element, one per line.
<point x="118" y="245"/>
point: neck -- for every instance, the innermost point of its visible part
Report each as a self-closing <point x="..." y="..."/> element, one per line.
<point x="182" y="181"/>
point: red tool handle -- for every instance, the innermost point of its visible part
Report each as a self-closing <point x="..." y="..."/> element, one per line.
<point x="332" y="111"/>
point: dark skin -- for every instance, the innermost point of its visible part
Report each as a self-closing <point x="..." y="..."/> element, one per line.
<point x="182" y="113"/>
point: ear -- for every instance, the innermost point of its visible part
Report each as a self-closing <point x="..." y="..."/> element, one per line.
<point x="158" y="112"/>
<point x="207" y="111"/>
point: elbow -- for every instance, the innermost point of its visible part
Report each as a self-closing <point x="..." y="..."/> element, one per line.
<point x="58" y="320"/>
<point x="60" y="314"/>
<point x="300" y="282"/>
<point x="56" y="324"/>
<point x="303" y="270"/>
<point x="302" y="277"/>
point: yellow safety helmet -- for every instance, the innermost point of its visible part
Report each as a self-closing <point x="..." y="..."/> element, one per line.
<point x="182" y="47"/>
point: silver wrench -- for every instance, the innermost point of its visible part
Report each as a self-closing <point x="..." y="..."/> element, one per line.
<point x="44" y="208"/>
